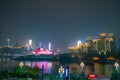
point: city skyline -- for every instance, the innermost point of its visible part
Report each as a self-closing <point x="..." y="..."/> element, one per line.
<point x="104" y="43"/>
<point x="61" y="22"/>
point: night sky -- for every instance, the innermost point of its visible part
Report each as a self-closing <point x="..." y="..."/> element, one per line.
<point x="61" y="22"/>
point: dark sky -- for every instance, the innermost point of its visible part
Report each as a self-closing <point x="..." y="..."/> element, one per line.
<point x="61" y="22"/>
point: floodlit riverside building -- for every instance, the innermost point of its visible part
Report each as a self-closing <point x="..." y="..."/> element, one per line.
<point x="103" y="44"/>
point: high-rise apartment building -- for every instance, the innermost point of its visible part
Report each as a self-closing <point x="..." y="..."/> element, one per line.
<point x="111" y="42"/>
<point x="91" y="46"/>
<point x="103" y="44"/>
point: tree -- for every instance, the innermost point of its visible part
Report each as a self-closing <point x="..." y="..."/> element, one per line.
<point x="26" y="71"/>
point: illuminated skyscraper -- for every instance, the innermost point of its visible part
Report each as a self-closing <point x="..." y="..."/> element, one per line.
<point x="105" y="43"/>
<point x="111" y="40"/>
<point x="87" y="47"/>
<point x="102" y="45"/>
<point x="97" y="45"/>
<point x="90" y="42"/>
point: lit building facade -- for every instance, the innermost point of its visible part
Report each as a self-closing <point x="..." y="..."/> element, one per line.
<point x="103" y="44"/>
<point x="110" y="43"/>
<point x="91" y="45"/>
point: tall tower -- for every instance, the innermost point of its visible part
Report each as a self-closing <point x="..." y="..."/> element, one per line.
<point x="49" y="46"/>
<point x="30" y="45"/>
<point x="8" y="42"/>
<point x="30" y="42"/>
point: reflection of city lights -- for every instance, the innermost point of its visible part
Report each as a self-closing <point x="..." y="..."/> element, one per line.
<point x="95" y="58"/>
<point x="27" y="63"/>
<point x="49" y="64"/>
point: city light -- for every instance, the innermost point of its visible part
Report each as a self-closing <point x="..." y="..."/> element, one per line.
<point x="21" y="64"/>
<point x="42" y="51"/>
<point x="8" y="42"/>
<point x="82" y="65"/>
<point x="102" y="44"/>
<point x="79" y="42"/>
<point x="49" y="46"/>
<point x="30" y="42"/>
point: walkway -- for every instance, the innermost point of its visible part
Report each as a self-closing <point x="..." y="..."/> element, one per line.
<point x="103" y="78"/>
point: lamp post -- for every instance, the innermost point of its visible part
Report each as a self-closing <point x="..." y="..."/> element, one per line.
<point x="61" y="71"/>
<point x="21" y="65"/>
<point x="42" y="72"/>
<point x="67" y="73"/>
<point x="116" y="66"/>
<point x="117" y="70"/>
<point x="82" y="65"/>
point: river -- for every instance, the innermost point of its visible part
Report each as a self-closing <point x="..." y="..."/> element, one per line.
<point x="53" y="67"/>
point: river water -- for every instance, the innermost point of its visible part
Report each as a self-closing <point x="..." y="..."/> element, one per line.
<point x="53" y="67"/>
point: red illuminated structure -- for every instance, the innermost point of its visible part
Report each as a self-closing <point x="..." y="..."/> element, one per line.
<point x="42" y="51"/>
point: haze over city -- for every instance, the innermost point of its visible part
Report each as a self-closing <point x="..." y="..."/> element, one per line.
<point x="61" y="22"/>
<point x="59" y="39"/>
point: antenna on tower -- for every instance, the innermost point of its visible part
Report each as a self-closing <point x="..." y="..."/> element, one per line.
<point x="40" y="45"/>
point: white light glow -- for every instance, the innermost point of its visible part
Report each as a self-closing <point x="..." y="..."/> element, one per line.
<point x="30" y="42"/>
<point x="49" y="46"/>
<point x="79" y="42"/>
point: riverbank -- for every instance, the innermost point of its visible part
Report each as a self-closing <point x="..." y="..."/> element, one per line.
<point x="64" y="58"/>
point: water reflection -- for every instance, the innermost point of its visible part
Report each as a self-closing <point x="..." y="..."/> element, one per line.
<point x="103" y="69"/>
<point x="99" y="69"/>
<point x="47" y="66"/>
<point x="53" y="67"/>
<point x="7" y="64"/>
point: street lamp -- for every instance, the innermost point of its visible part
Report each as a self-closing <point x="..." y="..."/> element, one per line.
<point x="61" y="71"/>
<point x="21" y="65"/>
<point x="116" y="71"/>
<point x="42" y="72"/>
<point x="82" y="65"/>
<point x="116" y="66"/>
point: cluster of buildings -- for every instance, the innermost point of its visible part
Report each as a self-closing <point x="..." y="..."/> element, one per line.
<point x="25" y="48"/>
<point x="105" y="43"/>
